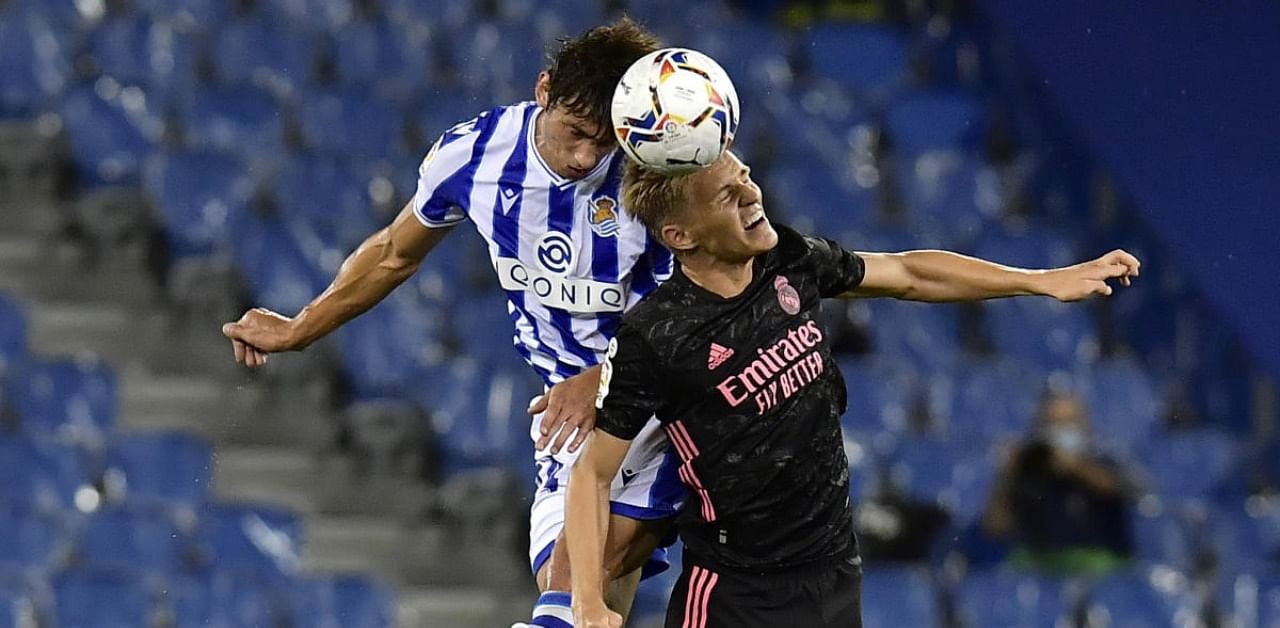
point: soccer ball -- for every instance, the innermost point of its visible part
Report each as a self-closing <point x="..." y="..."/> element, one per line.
<point x="675" y="110"/>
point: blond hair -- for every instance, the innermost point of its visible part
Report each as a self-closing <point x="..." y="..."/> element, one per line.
<point x="652" y="197"/>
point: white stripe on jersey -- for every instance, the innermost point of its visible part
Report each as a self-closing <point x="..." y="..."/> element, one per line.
<point x="569" y="259"/>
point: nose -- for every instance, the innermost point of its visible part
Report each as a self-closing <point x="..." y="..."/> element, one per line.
<point x="751" y="193"/>
<point x="586" y="156"/>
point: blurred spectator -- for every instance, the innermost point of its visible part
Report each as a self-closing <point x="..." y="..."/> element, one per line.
<point x="1061" y="504"/>
<point x="893" y="526"/>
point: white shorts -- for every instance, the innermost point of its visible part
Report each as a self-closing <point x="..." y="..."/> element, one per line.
<point x="647" y="487"/>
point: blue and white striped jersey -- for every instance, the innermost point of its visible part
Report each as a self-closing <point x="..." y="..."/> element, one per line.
<point x="569" y="259"/>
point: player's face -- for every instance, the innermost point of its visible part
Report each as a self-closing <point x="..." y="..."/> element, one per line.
<point x="727" y="212"/>
<point x="572" y="145"/>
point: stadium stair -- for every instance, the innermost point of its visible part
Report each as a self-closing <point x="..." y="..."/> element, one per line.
<point x="271" y="442"/>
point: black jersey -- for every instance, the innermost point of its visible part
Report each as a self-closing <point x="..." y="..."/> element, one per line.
<point x="751" y="399"/>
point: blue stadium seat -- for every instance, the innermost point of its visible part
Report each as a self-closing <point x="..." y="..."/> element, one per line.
<point x="951" y="192"/>
<point x="1245" y="539"/>
<point x="30" y="541"/>
<point x="440" y="110"/>
<point x="94" y="599"/>
<point x="384" y="348"/>
<point x="898" y="596"/>
<point x="110" y="131"/>
<point x="1161" y="537"/>
<point x="443" y="14"/>
<point x="136" y="540"/>
<point x="193" y="17"/>
<point x="162" y="467"/>
<point x="1131" y="600"/>
<point x="1003" y="599"/>
<point x="1190" y="464"/>
<point x="202" y="196"/>
<point x="215" y="599"/>
<point x="156" y="55"/>
<point x="921" y="334"/>
<point x="1124" y="406"/>
<point x="1031" y="246"/>
<point x="987" y="402"/>
<point x="120" y="48"/>
<point x="753" y="53"/>
<point x="326" y="196"/>
<point x="315" y="15"/>
<point x="40" y="475"/>
<point x="819" y="201"/>
<point x="937" y="120"/>
<point x="17" y="608"/>
<point x="268" y="54"/>
<point x="349" y="123"/>
<point x="73" y="400"/>
<point x="242" y="120"/>
<point x="478" y="413"/>
<point x="1042" y="332"/>
<point x="869" y="61"/>
<point x="255" y="539"/>
<point x="342" y="601"/>
<point x="953" y="476"/>
<point x="493" y="59"/>
<point x="879" y="395"/>
<point x="372" y="54"/>
<point x="13" y="333"/>
<point x="30" y="74"/>
<point x="274" y="267"/>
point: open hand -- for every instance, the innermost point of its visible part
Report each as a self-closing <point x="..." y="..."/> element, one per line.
<point x="258" y="333"/>
<point x="568" y="406"/>
<point x="1078" y="282"/>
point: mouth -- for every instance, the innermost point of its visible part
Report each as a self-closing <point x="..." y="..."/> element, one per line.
<point x="754" y="219"/>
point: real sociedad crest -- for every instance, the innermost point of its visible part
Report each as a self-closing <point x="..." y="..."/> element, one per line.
<point x="604" y="217"/>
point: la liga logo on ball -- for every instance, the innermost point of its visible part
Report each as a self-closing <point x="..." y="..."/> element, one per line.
<point x="675" y="110"/>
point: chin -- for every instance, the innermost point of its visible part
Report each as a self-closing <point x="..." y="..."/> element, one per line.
<point x="763" y="238"/>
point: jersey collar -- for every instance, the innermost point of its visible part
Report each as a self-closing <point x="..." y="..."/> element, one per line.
<point x="559" y="181"/>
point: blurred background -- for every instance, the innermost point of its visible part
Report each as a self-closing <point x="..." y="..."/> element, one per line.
<point x="165" y="164"/>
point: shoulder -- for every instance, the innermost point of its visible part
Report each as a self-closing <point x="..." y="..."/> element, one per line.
<point x="456" y="146"/>
<point x="792" y="246"/>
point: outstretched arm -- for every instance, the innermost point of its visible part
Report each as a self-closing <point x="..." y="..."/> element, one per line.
<point x="587" y="526"/>
<point x="940" y="276"/>
<point x="370" y="273"/>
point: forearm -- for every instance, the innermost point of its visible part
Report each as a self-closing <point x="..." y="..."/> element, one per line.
<point x="367" y="276"/>
<point x="586" y="529"/>
<point x="939" y="276"/>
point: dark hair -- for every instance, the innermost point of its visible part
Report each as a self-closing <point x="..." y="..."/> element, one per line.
<point x="586" y="70"/>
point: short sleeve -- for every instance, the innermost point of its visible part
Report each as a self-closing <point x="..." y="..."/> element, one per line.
<point x="440" y="199"/>
<point x="838" y="269"/>
<point x="630" y="385"/>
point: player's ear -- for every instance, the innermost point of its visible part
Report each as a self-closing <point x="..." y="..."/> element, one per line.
<point x="542" y="89"/>
<point x="677" y="238"/>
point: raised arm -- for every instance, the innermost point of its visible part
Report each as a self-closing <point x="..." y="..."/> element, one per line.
<point x="587" y="525"/>
<point x="369" y="274"/>
<point x="939" y="276"/>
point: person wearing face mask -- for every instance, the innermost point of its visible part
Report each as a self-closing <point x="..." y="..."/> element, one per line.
<point x="1061" y="505"/>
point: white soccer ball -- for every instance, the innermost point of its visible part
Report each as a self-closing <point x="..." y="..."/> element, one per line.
<point x="675" y="110"/>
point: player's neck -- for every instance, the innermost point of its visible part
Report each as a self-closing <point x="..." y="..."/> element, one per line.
<point x="726" y="279"/>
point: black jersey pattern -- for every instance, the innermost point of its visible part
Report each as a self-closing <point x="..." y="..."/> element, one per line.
<point x="748" y="392"/>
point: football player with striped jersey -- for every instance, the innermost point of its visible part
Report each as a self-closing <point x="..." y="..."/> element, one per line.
<point x="540" y="182"/>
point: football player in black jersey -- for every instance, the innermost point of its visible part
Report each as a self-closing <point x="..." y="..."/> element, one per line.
<point x="728" y="357"/>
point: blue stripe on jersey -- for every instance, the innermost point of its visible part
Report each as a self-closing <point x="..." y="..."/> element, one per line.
<point x="506" y="234"/>
<point x="656" y="262"/>
<point x="560" y="218"/>
<point x="604" y="249"/>
<point x="456" y="190"/>
<point x="506" y="229"/>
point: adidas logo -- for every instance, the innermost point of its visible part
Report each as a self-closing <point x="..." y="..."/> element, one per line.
<point x="718" y="356"/>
